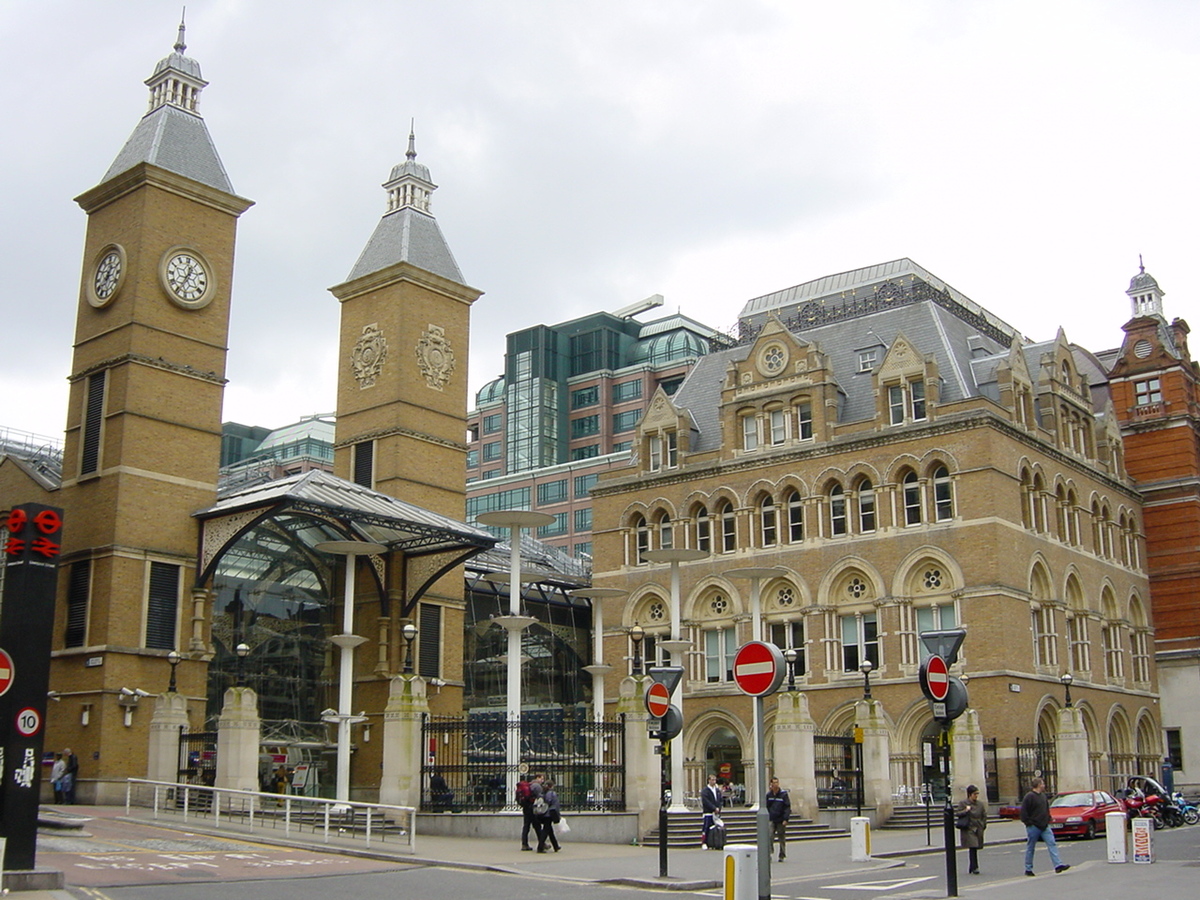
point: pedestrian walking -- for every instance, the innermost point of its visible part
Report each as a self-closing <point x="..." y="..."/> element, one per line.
<point x="547" y="819"/>
<point x="57" y="771"/>
<point x="527" y="791"/>
<point x="1035" y="816"/>
<point x="70" y="775"/>
<point x="971" y="817"/>
<point x="712" y="798"/>
<point x="779" y="809"/>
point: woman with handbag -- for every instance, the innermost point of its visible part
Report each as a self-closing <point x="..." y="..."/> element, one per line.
<point x="970" y="817"/>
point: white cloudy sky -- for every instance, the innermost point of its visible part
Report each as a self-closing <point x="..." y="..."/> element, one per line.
<point x="593" y="153"/>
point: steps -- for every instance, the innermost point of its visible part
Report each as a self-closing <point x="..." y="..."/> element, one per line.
<point x="914" y="817"/>
<point x="683" y="829"/>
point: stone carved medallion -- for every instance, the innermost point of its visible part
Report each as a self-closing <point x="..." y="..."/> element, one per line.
<point x="368" y="356"/>
<point x="435" y="357"/>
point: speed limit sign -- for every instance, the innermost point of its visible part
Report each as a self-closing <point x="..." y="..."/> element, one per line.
<point x="29" y="722"/>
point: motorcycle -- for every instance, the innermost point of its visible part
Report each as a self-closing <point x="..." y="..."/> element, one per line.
<point x="1191" y="815"/>
<point x="1147" y="806"/>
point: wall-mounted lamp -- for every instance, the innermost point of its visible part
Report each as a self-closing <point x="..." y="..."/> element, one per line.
<point x="410" y="634"/>
<point x="85" y="714"/>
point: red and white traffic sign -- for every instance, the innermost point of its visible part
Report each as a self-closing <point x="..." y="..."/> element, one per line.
<point x="935" y="679"/>
<point x="29" y="721"/>
<point x="758" y="668"/>
<point x="658" y="700"/>
<point x="6" y="672"/>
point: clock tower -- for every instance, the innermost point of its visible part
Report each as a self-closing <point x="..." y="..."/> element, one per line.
<point x="402" y="370"/>
<point x="143" y="428"/>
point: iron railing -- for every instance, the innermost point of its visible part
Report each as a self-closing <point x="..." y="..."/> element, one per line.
<point x="838" y="770"/>
<point x="466" y="761"/>
<point x="1036" y="759"/>
<point x="251" y="811"/>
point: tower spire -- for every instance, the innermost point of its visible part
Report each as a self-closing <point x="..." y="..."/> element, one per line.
<point x="180" y="46"/>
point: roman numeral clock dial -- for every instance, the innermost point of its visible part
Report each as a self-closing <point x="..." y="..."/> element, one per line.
<point x="187" y="277"/>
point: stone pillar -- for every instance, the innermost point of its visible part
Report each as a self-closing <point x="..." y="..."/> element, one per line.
<point x="795" y="752"/>
<point x="643" y="767"/>
<point x="403" y="754"/>
<point x="1071" y="745"/>
<point x="877" y="758"/>
<point x="239" y="736"/>
<point x="169" y="719"/>
<point x="966" y="756"/>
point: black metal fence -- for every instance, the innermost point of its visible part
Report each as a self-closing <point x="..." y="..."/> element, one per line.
<point x="198" y="757"/>
<point x="838" y="769"/>
<point x="466" y="767"/>
<point x="1036" y="759"/>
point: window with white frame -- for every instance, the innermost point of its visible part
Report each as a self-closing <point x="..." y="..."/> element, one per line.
<point x="912" y="499"/>
<point x="1139" y="642"/>
<point x="728" y="524"/>
<point x="1114" y="662"/>
<point x="860" y="640"/>
<point x="768" y="518"/>
<point x="943" y="495"/>
<point x="1077" y="633"/>
<point x="720" y="646"/>
<point x="866" y="506"/>
<point x="703" y="529"/>
<point x="777" y="420"/>
<point x="1147" y="392"/>
<point x="906" y="402"/>
<point x="749" y="432"/>
<point x="867" y="359"/>
<point x="938" y="617"/>
<point x="804" y="421"/>
<point x="664" y="451"/>
<point x="641" y="536"/>
<point x="666" y="535"/>
<point x="1045" y="638"/>
<point x="795" y="517"/>
<point x="837" y="510"/>
<point x="791" y="634"/>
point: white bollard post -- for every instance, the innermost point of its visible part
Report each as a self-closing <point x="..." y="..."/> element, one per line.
<point x="860" y="839"/>
<point x="1114" y="833"/>
<point x="741" y="872"/>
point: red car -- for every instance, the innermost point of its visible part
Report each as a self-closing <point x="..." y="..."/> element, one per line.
<point x="1081" y="813"/>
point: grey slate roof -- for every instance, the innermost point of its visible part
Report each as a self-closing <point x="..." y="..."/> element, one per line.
<point x="934" y="329"/>
<point x="411" y="236"/>
<point x="175" y="140"/>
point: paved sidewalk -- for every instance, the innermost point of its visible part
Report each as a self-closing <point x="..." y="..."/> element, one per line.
<point x="691" y="869"/>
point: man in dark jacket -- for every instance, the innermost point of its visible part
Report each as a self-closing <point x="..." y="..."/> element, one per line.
<point x="1035" y="816"/>
<point x="712" y="798"/>
<point x="779" y="809"/>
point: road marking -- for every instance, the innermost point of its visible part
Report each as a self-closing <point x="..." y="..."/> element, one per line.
<point x="892" y="885"/>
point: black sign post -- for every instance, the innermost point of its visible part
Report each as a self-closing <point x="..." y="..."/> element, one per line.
<point x="32" y="537"/>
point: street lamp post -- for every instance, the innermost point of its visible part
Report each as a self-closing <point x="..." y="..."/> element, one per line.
<point x="637" y="634"/>
<point x="791" y="655"/>
<point x="1066" y="680"/>
<point x="242" y="650"/>
<point x="676" y="646"/>
<point x="514" y="623"/>
<point x="866" y="668"/>
<point x="174" y="658"/>
<point x="598" y="669"/>
<point x="410" y="634"/>
<point x="346" y="642"/>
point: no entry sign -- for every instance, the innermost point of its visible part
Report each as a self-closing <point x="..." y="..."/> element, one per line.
<point x="758" y="668"/>
<point x="935" y="679"/>
<point x="6" y="672"/>
<point x="658" y="700"/>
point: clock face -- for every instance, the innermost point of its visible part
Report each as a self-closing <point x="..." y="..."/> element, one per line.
<point x="185" y="275"/>
<point x="106" y="278"/>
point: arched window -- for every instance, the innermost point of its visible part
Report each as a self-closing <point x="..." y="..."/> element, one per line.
<point x="837" y="509"/>
<point x="768" y="518"/>
<point x="1073" y="518"/>
<point x="865" y="492"/>
<point x="641" y="538"/>
<point x="728" y="525"/>
<point x="1027" y="500"/>
<point x="666" y="535"/>
<point x="912" y="499"/>
<point x="795" y="517"/>
<point x="1038" y="504"/>
<point x="703" y="529"/>
<point x="943" y="495"/>
<point x="749" y="431"/>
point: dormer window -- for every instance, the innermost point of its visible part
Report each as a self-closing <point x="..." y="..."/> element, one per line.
<point x="664" y="451"/>
<point x="906" y="402"/>
<point x="867" y="360"/>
